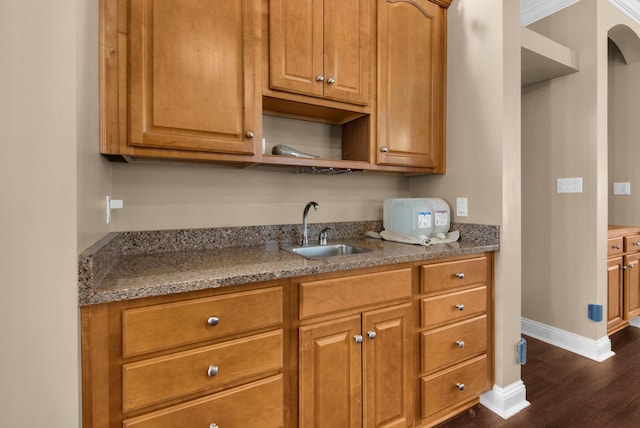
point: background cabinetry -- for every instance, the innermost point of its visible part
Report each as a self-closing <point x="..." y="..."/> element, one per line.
<point x="623" y="281"/>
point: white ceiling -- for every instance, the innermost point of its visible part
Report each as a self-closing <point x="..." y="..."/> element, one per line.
<point x="533" y="10"/>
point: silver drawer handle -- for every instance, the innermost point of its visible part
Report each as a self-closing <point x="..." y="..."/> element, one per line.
<point x="213" y="321"/>
<point x="637" y="244"/>
<point x="213" y="426"/>
<point x="212" y="370"/>
<point x="358" y="338"/>
<point x="371" y="334"/>
<point x="616" y="247"/>
<point x="460" y="343"/>
<point x="460" y="307"/>
<point x="460" y="275"/>
<point x="460" y="386"/>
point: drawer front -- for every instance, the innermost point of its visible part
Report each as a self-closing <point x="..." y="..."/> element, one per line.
<point x="451" y="307"/>
<point x="332" y="295"/>
<point x="632" y="243"/>
<point x="442" y="391"/>
<point x="154" y="380"/>
<point x="159" y="327"/>
<point x="614" y="246"/>
<point x="449" y="345"/>
<point x="449" y="275"/>
<point x="258" y="404"/>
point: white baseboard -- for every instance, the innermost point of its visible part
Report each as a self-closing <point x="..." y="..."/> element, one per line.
<point x="506" y="402"/>
<point x="598" y="350"/>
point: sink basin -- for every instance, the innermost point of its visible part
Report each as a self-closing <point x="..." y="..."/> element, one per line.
<point x="324" y="251"/>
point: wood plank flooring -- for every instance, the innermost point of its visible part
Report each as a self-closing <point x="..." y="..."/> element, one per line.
<point x="566" y="390"/>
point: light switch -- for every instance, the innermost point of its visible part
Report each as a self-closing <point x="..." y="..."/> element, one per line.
<point x="622" y="188"/>
<point x="461" y="207"/>
<point x="569" y="185"/>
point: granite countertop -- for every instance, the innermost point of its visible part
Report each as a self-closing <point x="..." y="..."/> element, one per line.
<point x="130" y="265"/>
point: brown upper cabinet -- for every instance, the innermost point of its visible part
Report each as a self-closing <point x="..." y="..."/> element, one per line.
<point x="182" y="77"/>
<point x="321" y="48"/>
<point x="191" y="79"/>
<point x="411" y="83"/>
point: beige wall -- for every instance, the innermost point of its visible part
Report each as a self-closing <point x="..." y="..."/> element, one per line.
<point x="483" y="148"/>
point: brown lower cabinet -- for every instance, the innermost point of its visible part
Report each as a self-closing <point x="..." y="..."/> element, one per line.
<point x="375" y="347"/>
<point x="623" y="280"/>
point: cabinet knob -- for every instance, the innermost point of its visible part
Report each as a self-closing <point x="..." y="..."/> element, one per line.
<point x="637" y="244"/>
<point x="358" y="338"/>
<point x="212" y="370"/>
<point x="630" y="265"/>
<point x="460" y="275"/>
<point x="616" y="247"/>
<point x="250" y="134"/>
<point x="460" y="307"/>
<point x="319" y="78"/>
<point x="213" y="321"/>
<point x="371" y="334"/>
<point x="384" y="149"/>
<point x="460" y="343"/>
<point x="331" y="80"/>
<point x="460" y="386"/>
<point x="213" y="426"/>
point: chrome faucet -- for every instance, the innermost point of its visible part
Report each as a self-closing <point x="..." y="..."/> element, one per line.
<point x="305" y="232"/>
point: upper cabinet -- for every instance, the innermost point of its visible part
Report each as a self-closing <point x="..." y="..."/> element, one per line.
<point x="188" y="78"/>
<point x="191" y="79"/>
<point x="321" y="48"/>
<point x="411" y="84"/>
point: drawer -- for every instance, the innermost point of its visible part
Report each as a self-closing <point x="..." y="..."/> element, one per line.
<point x="442" y="390"/>
<point x="338" y="294"/>
<point x="258" y="404"/>
<point x="632" y="243"/>
<point x="450" y="345"/>
<point x="614" y="246"/>
<point x="452" y="307"/>
<point x="449" y="275"/>
<point x="156" y="379"/>
<point x="159" y="327"/>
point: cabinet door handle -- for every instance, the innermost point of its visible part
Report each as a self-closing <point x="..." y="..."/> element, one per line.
<point x="637" y="244"/>
<point x="212" y="370"/>
<point x="358" y="338"/>
<point x="372" y="334"/>
<point x="384" y="150"/>
<point x="460" y="386"/>
<point x="213" y="321"/>
<point x="460" y="275"/>
<point x="460" y="343"/>
<point x="213" y="426"/>
<point x="630" y="265"/>
<point x="250" y="134"/>
<point x="616" y="247"/>
<point x="460" y="307"/>
<point x="331" y="80"/>
<point x="319" y="78"/>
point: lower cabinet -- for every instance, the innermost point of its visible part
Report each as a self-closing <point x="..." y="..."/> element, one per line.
<point x="623" y="280"/>
<point x="393" y="346"/>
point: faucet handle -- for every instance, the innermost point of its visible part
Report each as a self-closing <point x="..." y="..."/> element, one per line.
<point x="324" y="233"/>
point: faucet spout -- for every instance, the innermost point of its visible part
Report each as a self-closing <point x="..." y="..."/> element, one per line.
<point x="305" y="214"/>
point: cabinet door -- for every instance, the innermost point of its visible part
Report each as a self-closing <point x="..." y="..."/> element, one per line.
<point x="411" y="83"/>
<point x="296" y="46"/>
<point x="330" y="374"/>
<point x="614" y="293"/>
<point x="347" y="50"/>
<point x="193" y="75"/>
<point x="387" y="367"/>
<point x="632" y="286"/>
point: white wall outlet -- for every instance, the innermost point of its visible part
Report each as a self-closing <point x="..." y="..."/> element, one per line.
<point x="622" y="188"/>
<point x="569" y="185"/>
<point x="113" y="204"/>
<point x="461" y="207"/>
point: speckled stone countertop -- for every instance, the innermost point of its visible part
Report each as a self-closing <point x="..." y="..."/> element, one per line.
<point x="130" y="265"/>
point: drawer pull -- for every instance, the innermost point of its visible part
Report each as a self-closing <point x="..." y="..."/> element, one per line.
<point x="212" y="370"/>
<point x="213" y="321"/>
<point x="358" y="338"/>
<point x="630" y="265"/>
<point x="460" y="343"/>
<point x="637" y="243"/>
<point x="371" y="334"/>
<point x="213" y="426"/>
<point x="460" y="386"/>
<point x="460" y="275"/>
<point x="616" y="247"/>
<point x="460" y="307"/>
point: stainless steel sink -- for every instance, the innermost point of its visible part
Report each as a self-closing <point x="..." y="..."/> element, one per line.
<point x="324" y="251"/>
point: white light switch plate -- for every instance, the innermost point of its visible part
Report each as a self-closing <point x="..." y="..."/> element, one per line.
<point x="569" y="185"/>
<point x="622" y="188"/>
<point x="461" y="207"/>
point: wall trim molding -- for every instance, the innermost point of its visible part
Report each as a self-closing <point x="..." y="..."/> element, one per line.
<point x="598" y="350"/>
<point x="507" y="401"/>
<point x="534" y="10"/>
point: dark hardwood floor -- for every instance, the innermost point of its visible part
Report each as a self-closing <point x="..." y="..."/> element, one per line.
<point x="566" y="390"/>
